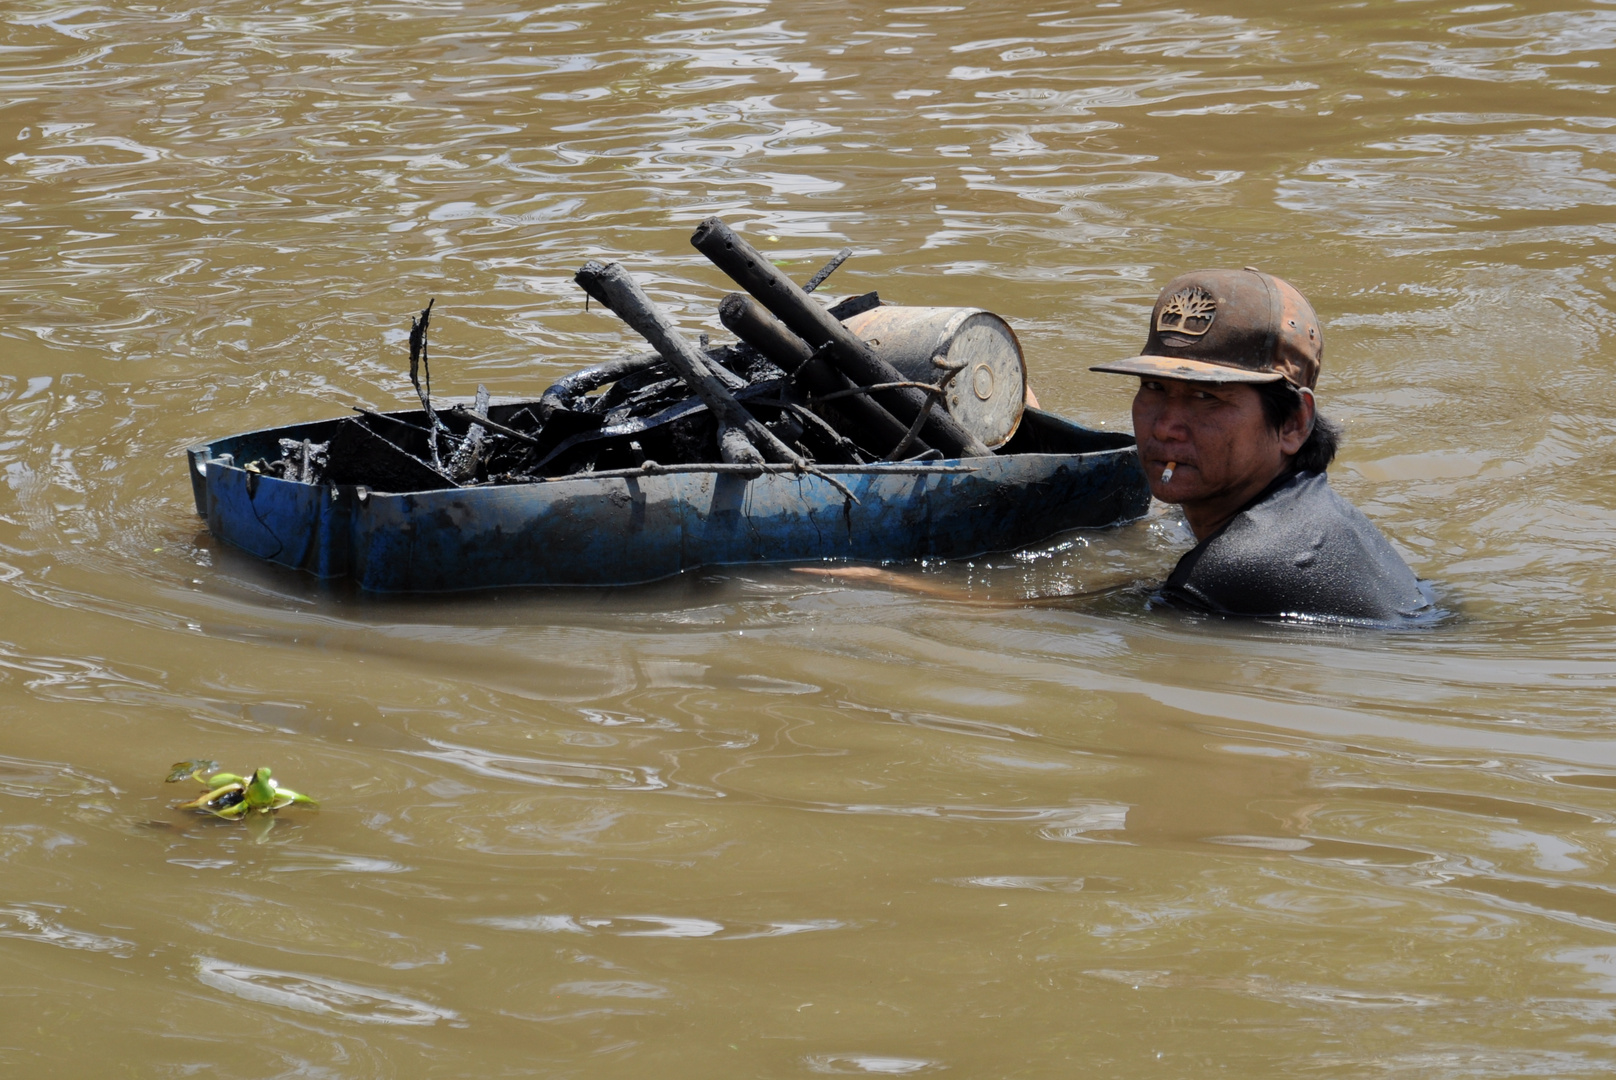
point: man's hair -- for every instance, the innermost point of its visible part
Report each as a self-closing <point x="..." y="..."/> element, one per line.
<point x="1280" y="400"/>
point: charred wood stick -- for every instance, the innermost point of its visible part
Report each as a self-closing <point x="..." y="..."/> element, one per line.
<point x="418" y="364"/>
<point x="495" y="425"/>
<point x="390" y="419"/>
<point x="720" y="371"/>
<point x="816" y="326"/>
<point x="878" y="430"/>
<point x="827" y="270"/>
<point x="840" y="441"/>
<point x="394" y="448"/>
<point x="741" y="437"/>
<point x="837" y="395"/>
<point x="630" y="426"/>
<point x="452" y="438"/>
<point x="908" y="441"/>
<point x="936" y="393"/>
<point x="848" y="307"/>
<point x="463" y="462"/>
<point x="459" y="410"/>
<point x="719" y="368"/>
<point x="747" y="320"/>
<point x="302" y="460"/>
<point x="565" y="391"/>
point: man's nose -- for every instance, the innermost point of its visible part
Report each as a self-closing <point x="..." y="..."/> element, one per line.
<point x="1171" y="423"/>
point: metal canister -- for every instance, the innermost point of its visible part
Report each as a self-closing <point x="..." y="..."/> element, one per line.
<point x="987" y="395"/>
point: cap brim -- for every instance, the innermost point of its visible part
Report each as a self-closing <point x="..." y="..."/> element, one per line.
<point x="1174" y="367"/>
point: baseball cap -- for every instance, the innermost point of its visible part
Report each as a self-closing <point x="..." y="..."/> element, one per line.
<point x="1229" y="326"/>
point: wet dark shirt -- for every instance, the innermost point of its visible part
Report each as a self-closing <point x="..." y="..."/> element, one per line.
<point x="1298" y="549"/>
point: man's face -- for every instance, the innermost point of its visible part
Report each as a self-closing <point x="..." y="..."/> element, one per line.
<point x="1215" y="433"/>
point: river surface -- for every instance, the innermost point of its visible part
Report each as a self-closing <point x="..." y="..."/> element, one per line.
<point x="748" y="823"/>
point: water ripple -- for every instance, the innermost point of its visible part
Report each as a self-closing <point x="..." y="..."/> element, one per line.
<point x="663" y="926"/>
<point x="28" y="923"/>
<point x="318" y="995"/>
<point x="541" y="771"/>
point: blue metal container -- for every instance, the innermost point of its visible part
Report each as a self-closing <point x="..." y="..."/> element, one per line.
<point x="1054" y="476"/>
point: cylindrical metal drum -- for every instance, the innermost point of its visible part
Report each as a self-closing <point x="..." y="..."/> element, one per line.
<point x="986" y="397"/>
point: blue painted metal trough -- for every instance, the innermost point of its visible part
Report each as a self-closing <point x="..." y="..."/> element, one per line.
<point x="1054" y="476"/>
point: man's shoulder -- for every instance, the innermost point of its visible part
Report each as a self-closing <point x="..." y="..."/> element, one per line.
<point x="1299" y="549"/>
<point x="1301" y="503"/>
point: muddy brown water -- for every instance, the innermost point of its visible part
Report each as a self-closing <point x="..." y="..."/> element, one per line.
<point x="746" y="823"/>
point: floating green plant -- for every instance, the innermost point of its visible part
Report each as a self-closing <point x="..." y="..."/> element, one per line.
<point x="231" y="796"/>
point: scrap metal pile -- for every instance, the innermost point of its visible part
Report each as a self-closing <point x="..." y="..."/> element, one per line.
<point x="799" y="391"/>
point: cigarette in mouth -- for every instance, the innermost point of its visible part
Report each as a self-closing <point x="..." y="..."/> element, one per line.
<point x="1167" y="473"/>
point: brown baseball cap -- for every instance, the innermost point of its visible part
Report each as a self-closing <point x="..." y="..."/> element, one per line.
<point x="1229" y="326"/>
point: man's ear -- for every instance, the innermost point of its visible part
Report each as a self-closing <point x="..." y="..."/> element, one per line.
<point x="1299" y="425"/>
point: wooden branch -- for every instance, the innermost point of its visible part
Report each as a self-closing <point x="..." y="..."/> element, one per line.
<point x="463" y="462"/>
<point x="494" y="425"/>
<point x="842" y="442"/>
<point x="850" y="391"/>
<point x="738" y="430"/>
<point x="816" y="326"/>
<point x="358" y="441"/>
<point x="827" y="270"/>
<point x="747" y="320"/>
<point x="873" y="428"/>
<point x="390" y="419"/>
<point x="419" y="363"/>
<point x="936" y="393"/>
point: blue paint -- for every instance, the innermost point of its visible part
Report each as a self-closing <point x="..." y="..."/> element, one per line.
<point x="1053" y="477"/>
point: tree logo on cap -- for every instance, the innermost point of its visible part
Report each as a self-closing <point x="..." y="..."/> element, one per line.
<point x="1188" y="311"/>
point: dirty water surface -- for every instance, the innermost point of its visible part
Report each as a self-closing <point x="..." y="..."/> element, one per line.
<point x="750" y="823"/>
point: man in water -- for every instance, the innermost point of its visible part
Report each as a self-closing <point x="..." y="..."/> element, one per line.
<point x="1228" y="429"/>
